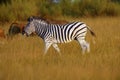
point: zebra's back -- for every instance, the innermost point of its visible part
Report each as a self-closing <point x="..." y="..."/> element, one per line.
<point x="68" y="32"/>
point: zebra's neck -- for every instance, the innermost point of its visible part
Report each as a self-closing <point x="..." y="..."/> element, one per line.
<point x="40" y="29"/>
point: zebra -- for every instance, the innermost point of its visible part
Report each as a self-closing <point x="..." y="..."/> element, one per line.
<point x="56" y="33"/>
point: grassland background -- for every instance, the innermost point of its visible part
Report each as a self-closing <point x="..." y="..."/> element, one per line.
<point x="22" y="57"/>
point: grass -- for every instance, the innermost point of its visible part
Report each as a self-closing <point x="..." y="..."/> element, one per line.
<point x="22" y="57"/>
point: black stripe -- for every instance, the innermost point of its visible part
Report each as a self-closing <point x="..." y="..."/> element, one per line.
<point x="62" y="34"/>
<point x="47" y="32"/>
<point x="39" y="34"/>
<point x="39" y="31"/>
<point x="70" y="29"/>
<point x="50" y="27"/>
<point x="47" y="35"/>
<point x="58" y="31"/>
<point x="80" y="33"/>
<point x="79" y="30"/>
<point x="43" y="34"/>
<point x="66" y="27"/>
<point x="77" y="37"/>
<point x="76" y="28"/>
<point x="53" y="31"/>
<point x="56" y="34"/>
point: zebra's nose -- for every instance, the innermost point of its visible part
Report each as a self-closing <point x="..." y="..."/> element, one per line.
<point x="24" y="33"/>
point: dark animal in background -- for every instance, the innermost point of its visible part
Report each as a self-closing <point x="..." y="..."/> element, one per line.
<point x="15" y="29"/>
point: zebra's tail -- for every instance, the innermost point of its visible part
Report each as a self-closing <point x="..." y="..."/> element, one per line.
<point x="92" y="33"/>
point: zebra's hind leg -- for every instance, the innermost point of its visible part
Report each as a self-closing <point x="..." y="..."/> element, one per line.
<point x="56" y="48"/>
<point x="85" y="45"/>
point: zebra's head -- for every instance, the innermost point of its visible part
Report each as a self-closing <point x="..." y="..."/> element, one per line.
<point x="32" y="23"/>
<point x="29" y="28"/>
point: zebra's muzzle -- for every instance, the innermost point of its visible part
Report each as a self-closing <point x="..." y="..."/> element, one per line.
<point x="24" y="33"/>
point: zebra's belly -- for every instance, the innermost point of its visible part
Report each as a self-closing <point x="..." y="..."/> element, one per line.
<point x="62" y="41"/>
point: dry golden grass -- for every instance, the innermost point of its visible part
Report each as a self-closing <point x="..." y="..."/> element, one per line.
<point x="21" y="58"/>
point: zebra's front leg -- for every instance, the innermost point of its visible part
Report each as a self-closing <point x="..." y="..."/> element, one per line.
<point x="47" y="46"/>
<point x="56" y="48"/>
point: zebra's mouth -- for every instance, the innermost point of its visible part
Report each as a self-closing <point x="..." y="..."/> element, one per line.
<point x="24" y="33"/>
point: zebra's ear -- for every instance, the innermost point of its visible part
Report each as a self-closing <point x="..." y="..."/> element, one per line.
<point x="30" y="19"/>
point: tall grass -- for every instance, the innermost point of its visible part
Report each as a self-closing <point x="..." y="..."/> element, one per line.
<point x="22" y="57"/>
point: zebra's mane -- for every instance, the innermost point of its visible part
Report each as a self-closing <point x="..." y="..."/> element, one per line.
<point x="38" y="18"/>
<point x="47" y="21"/>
